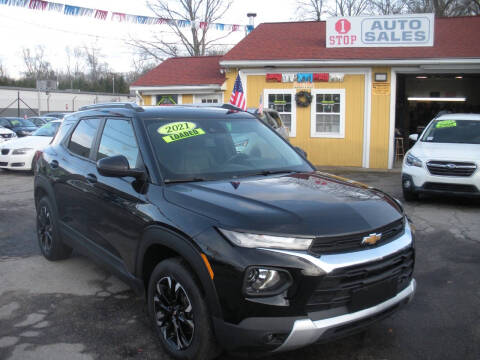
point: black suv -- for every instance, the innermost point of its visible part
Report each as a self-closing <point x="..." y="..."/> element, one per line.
<point x="241" y="249"/>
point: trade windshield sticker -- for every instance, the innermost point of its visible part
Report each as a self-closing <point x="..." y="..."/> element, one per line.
<point x="446" y="124"/>
<point x="179" y="130"/>
<point x="15" y="122"/>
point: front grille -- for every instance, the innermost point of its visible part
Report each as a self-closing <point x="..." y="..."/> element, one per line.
<point x="450" y="187"/>
<point x="352" y="242"/>
<point x="3" y="163"/>
<point x="451" y="168"/>
<point x="5" y="151"/>
<point x="338" y="288"/>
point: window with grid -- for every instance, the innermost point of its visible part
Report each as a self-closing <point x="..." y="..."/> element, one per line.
<point x="328" y="113"/>
<point x="284" y="103"/>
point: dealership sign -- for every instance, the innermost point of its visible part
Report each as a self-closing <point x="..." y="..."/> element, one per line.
<point x="380" y="31"/>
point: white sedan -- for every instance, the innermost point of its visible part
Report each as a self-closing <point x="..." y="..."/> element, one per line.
<point x="6" y="134"/>
<point x="18" y="154"/>
<point x="445" y="158"/>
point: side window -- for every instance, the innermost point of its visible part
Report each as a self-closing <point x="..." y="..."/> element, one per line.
<point x="118" y="138"/>
<point x="83" y="136"/>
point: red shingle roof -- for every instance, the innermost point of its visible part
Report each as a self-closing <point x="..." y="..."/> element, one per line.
<point x="197" y="70"/>
<point x="454" y="37"/>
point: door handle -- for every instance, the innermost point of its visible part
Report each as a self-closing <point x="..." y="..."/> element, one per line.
<point x="91" y="178"/>
<point x="54" y="164"/>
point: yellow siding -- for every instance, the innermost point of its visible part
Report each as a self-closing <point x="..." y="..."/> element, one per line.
<point x="187" y="99"/>
<point x="321" y="151"/>
<point x="380" y="124"/>
<point x="147" y="100"/>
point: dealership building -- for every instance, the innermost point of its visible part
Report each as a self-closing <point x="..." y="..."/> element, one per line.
<point x="350" y="90"/>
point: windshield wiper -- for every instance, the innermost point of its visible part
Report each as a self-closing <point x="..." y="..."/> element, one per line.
<point x="271" y="172"/>
<point x="175" y="181"/>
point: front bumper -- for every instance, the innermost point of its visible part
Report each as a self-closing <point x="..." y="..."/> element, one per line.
<point x="306" y="331"/>
<point x="275" y="333"/>
<point x="16" y="162"/>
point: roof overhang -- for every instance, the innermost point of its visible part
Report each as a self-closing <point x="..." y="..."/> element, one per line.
<point x="352" y="62"/>
<point x="178" y="89"/>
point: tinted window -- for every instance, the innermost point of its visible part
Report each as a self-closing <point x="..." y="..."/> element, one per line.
<point x="4" y="122"/>
<point x="82" y="137"/>
<point x="118" y="139"/>
<point x="16" y="122"/>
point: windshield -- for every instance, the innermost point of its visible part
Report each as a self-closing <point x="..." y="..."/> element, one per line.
<point x="220" y="148"/>
<point x="21" y="122"/>
<point x="49" y="129"/>
<point x="453" y="131"/>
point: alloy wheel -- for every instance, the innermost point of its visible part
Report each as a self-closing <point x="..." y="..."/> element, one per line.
<point x="45" y="229"/>
<point x="174" y="313"/>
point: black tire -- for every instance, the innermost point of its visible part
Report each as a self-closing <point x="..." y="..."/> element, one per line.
<point x="409" y="195"/>
<point x="48" y="235"/>
<point x="182" y="321"/>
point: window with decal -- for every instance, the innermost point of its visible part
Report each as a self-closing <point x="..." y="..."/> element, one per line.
<point x="328" y="113"/>
<point x="284" y="102"/>
<point x="168" y="99"/>
<point x="118" y="138"/>
<point x="208" y="99"/>
<point x="218" y="148"/>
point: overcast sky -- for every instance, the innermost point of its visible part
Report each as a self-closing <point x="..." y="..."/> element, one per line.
<point x="22" y="27"/>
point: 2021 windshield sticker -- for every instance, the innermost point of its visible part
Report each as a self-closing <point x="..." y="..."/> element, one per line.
<point x="179" y="130"/>
<point x="446" y="124"/>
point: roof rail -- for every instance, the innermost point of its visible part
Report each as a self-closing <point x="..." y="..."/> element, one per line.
<point x="117" y="105"/>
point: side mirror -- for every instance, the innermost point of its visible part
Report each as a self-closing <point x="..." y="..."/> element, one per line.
<point x="301" y="151"/>
<point x="413" y="137"/>
<point x="117" y="166"/>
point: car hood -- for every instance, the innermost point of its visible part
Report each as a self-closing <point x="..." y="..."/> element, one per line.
<point x="5" y="131"/>
<point x="447" y="152"/>
<point x="310" y="204"/>
<point x="34" y="142"/>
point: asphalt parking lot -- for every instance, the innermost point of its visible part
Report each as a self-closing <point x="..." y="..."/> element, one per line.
<point x="74" y="309"/>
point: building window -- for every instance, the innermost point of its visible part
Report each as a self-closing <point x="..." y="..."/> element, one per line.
<point x="328" y="113"/>
<point x="284" y="102"/>
<point x="208" y="99"/>
<point x="167" y="99"/>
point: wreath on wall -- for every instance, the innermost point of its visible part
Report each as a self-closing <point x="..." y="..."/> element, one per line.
<point x="303" y="98"/>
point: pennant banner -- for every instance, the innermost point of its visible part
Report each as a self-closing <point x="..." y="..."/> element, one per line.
<point x="70" y="10"/>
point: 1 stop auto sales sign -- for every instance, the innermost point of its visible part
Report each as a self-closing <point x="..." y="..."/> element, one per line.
<point x="381" y="31"/>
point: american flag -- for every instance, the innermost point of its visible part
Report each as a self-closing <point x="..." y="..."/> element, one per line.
<point x="238" y="97"/>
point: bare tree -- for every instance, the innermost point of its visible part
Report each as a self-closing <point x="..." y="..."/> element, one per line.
<point x="189" y="35"/>
<point x="3" y="70"/>
<point x="310" y="10"/>
<point x="388" y="7"/>
<point x="93" y="58"/>
<point x="349" y="8"/>
<point x="36" y="64"/>
<point x="445" y="7"/>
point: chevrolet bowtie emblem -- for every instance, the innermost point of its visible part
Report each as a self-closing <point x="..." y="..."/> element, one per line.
<point x="371" y="239"/>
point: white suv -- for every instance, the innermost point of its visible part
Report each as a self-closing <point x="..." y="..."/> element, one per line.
<point x="445" y="158"/>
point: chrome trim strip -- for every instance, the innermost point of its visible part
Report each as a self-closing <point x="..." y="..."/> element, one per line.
<point x="306" y="331"/>
<point x="331" y="262"/>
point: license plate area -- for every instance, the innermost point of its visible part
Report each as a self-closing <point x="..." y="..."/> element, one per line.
<point x="373" y="294"/>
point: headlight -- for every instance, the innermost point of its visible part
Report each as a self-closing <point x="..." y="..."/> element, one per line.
<point x="22" y="151"/>
<point x="266" y="241"/>
<point x="411" y="160"/>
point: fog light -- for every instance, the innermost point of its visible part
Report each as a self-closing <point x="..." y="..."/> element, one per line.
<point x="266" y="282"/>
<point x="407" y="184"/>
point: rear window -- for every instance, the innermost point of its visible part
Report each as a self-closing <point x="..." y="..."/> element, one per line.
<point x="82" y="138"/>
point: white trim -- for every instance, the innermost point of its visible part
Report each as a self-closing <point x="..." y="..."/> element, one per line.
<point x="393" y="103"/>
<point x="292" y="92"/>
<point x="313" y="113"/>
<point x="179" y="99"/>
<point x="177" y="89"/>
<point x="342" y="62"/>
<point x="367" y="121"/>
